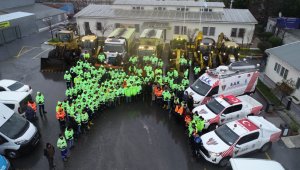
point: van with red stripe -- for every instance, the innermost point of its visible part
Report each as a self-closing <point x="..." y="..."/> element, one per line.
<point x="238" y="138"/>
<point x="224" y="109"/>
<point x="236" y="79"/>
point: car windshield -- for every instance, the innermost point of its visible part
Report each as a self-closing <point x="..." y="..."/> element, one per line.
<point x="14" y="127"/>
<point x="215" y="107"/>
<point x="113" y="47"/>
<point x="24" y="103"/>
<point x="200" y="87"/>
<point x="227" y="135"/>
<point x="15" y="86"/>
<point x="64" y="37"/>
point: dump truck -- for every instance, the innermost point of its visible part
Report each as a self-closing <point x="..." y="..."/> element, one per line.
<point x="203" y="51"/>
<point x="178" y="48"/>
<point x="151" y="42"/>
<point x="121" y="41"/>
<point x="227" y="51"/>
<point x="63" y="54"/>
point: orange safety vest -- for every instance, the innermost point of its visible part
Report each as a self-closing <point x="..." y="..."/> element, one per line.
<point x="180" y="111"/>
<point x="188" y="120"/>
<point x="32" y="105"/>
<point x="176" y="109"/>
<point x="60" y="115"/>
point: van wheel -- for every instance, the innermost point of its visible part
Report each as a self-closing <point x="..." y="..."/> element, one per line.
<point x="266" y="147"/>
<point x="250" y="115"/>
<point x="212" y="127"/>
<point x="12" y="154"/>
<point x="224" y="161"/>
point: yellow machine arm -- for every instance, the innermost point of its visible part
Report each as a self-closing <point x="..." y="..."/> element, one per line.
<point x="177" y="59"/>
<point x="210" y="61"/>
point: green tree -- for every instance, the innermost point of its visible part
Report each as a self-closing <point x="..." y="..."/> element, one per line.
<point x="241" y="4"/>
<point x="264" y="45"/>
<point x="285" y="88"/>
<point x="266" y="35"/>
<point x="275" y="41"/>
<point x="290" y="8"/>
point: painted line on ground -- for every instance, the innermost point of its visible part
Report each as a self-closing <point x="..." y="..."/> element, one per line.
<point x="40" y="53"/>
<point x="267" y="156"/>
<point x="25" y="51"/>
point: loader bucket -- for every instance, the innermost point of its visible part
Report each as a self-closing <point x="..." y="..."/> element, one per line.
<point x="53" y="65"/>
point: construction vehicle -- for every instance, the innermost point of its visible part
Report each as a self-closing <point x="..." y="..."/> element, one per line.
<point x="63" y="54"/>
<point x="151" y="42"/>
<point x="90" y="44"/>
<point x="227" y="51"/>
<point x="203" y="51"/>
<point x="120" y="42"/>
<point x="178" y="48"/>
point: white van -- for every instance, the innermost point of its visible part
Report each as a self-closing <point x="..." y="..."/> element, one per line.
<point x="253" y="164"/>
<point x="17" y="135"/>
<point x="236" y="79"/>
<point x="16" y="101"/>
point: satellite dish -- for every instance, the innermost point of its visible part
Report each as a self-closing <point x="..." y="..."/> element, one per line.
<point x="280" y="14"/>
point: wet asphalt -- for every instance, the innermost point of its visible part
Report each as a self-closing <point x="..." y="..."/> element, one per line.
<point x="131" y="136"/>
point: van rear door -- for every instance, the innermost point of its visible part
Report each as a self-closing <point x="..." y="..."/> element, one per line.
<point x="24" y="103"/>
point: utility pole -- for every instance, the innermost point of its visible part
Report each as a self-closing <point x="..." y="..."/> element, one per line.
<point x="231" y="4"/>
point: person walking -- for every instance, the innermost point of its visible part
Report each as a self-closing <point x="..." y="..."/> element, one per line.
<point x="62" y="145"/>
<point x="49" y="153"/>
<point x="264" y="58"/>
<point x="40" y="100"/>
<point x="30" y="115"/>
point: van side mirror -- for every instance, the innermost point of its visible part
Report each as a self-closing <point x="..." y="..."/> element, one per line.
<point x="223" y="115"/>
<point x="237" y="146"/>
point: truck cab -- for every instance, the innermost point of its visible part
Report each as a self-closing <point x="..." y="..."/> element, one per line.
<point x="113" y="47"/>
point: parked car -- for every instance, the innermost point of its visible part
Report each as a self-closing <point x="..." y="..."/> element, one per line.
<point x="238" y="138"/>
<point x="17" y="135"/>
<point x="16" y="101"/>
<point x="12" y="85"/>
<point x="226" y="109"/>
<point x="253" y="164"/>
<point x="5" y="164"/>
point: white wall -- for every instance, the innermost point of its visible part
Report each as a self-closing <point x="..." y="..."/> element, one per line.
<point x="220" y="27"/>
<point x="169" y="8"/>
<point x="275" y="77"/>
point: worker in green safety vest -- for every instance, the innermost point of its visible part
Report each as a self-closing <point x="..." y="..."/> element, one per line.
<point x="68" y="77"/>
<point x="62" y="145"/>
<point x="69" y="136"/>
<point x="86" y="56"/>
<point x="101" y="58"/>
<point x="197" y="70"/>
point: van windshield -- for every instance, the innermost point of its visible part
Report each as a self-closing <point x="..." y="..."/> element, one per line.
<point x="14" y="127"/>
<point x="24" y="103"/>
<point x="200" y="87"/>
<point x="15" y="86"/>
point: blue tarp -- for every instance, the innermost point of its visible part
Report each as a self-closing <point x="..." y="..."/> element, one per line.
<point x="293" y="23"/>
<point x="69" y="8"/>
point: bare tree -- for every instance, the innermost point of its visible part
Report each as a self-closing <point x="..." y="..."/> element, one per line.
<point x="249" y="36"/>
<point x="104" y="27"/>
<point x="49" y="23"/>
<point x="191" y="34"/>
<point x="285" y="88"/>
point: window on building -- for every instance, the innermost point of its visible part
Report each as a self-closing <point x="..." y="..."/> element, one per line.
<point x="205" y="30"/>
<point x="241" y="32"/>
<point x="285" y="73"/>
<point x="86" y="25"/>
<point x="205" y="9"/>
<point x="276" y="65"/>
<point x="176" y="29"/>
<point x="133" y="7"/>
<point x="142" y="8"/>
<point x="209" y="10"/>
<point x="98" y="26"/>
<point x="212" y="31"/>
<point x="160" y="8"/>
<point x="137" y="8"/>
<point x="117" y="25"/>
<point x="183" y="30"/>
<point x="233" y="32"/>
<point x="137" y="27"/>
<point x="278" y="68"/>
<point x="282" y="71"/>
<point x="298" y="83"/>
<point x="183" y="9"/>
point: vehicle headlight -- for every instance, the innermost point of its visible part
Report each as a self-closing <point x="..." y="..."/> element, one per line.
<point x="206" y="121"/>
<point x="215" y="154"/>
<point x="198" y="51"/>
<point x="196" y="102"/>
<point x="104" y="61"/>
<point x="21" y="142"/>
<point x="122" y="62"/>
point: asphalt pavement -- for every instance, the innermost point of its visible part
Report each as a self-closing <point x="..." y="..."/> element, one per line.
<point x="132" y="136"/>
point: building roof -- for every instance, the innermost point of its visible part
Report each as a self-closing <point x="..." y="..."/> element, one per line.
<point x="15" y="15"/>
<point x="288" y="53"/>
<point x="107" y="11"/>
<point x="168" y="3"/>
<point x="40" y="11"/>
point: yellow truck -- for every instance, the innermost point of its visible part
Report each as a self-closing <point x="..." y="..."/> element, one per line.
<point x="178" y="48"/>
<point x="151" y="42"/>
<point x="120" y="42"/>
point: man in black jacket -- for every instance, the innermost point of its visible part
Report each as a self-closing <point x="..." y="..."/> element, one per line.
<point x="74" y="125"/>
<point x="30" y="115"/>
<point x="180" y="94"/>
<point x="148" y="91"/>
<point x="106" y="76"/>
<point x="190" y="103"/>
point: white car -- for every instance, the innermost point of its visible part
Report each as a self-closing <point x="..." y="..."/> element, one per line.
<point x="12" y="85"/>
<point x="238" y="138"/>
<point x="250" y="164"/>
<point x="226" y="109"/>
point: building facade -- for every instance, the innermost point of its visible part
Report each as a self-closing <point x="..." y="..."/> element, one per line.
<point x="283" y="63"/>
<point x="173" y="17"/>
